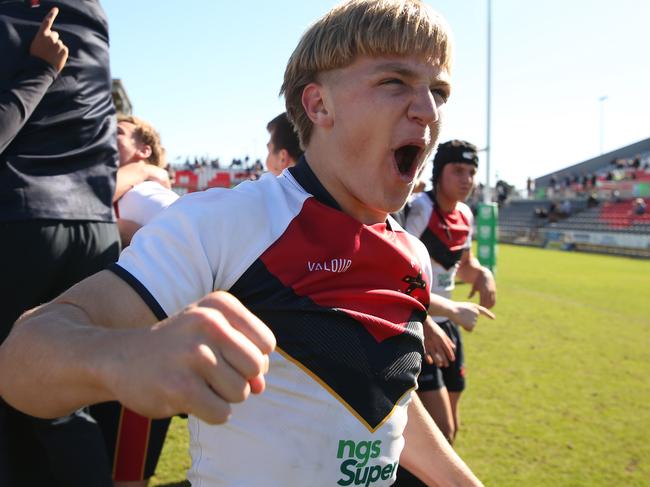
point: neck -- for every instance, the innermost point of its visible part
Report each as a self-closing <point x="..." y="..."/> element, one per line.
<point x="445" y="204"/>
<point x="320" y="162"/>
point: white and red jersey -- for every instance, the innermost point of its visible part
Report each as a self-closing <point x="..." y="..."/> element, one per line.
<point x="345" y="302"/>
<point x="445" y="235"/>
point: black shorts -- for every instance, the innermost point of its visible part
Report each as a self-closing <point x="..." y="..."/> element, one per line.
<point x="452" y="377"/>
<point x="133" y="442"/>
<point x="407" y="479"/>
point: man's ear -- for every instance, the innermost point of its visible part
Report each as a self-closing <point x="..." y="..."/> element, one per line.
<point x="144" y="152"/>
<point x="283" y="155"/>
<point x="314" y="101"/>
<point x="285" y="159"/>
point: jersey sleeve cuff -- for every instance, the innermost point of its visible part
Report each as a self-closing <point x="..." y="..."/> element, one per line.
<point x="139" y="288"/>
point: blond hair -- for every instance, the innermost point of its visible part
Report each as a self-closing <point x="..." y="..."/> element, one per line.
<point x="147" y="135"/>
<point x="362" y="27"/>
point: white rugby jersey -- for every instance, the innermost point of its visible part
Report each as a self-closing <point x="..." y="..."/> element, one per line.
<point x="445" y="235"/>
<point x="144" y="201"/>
<point x="345" y="302"/>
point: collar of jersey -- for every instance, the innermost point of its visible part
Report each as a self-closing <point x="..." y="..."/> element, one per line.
<point x="306" y="178"/>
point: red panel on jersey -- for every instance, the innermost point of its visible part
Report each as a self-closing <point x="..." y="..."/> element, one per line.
<point x="452" y="230"/>
<point x="372" y="265"/>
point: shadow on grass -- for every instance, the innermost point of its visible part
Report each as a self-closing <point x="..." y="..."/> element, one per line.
<point x="184" y="483"/>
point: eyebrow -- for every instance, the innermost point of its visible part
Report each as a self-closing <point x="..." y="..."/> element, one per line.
<point x="402" y="70"/>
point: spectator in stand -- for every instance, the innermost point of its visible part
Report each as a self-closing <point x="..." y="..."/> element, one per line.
<point x="553" y="212"/>
<point x="552" y="188"/>
<point x="283" y="146"/>
<point x="592" y="201"/>
<point x="565" y="208"/>
<point x="58" y="160"/>
<point x="639" y="208"/>
<point x="530" y="188"/>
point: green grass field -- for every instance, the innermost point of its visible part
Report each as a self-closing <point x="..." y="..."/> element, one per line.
<point x="558" y="387"/>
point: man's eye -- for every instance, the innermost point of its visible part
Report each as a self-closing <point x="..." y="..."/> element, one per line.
<point x="393" y="81"/>
<point x="441" y="94"/>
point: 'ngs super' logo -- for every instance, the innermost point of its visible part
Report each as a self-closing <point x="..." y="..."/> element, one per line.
<point x="356" y="469"/>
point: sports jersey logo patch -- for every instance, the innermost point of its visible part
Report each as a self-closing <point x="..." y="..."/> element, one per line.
<point x="414" y="283"/>
<point x="358" y="468"/>
<point x="333" y="265"/>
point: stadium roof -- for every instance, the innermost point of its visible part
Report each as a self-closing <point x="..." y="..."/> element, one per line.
<point x="598" y="163"/>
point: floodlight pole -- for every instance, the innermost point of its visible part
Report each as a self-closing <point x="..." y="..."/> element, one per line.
<point x="487" y="195"/>
<point x="602" y="122"/>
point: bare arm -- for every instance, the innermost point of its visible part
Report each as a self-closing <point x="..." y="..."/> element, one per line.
<point x="481" y="278"/>
<point x="127" y="229"/>
<point x="136" y="173"/>
<point x="99" y="341"/>
<point x="428" y="455"/>
<point x="461" y="313"/>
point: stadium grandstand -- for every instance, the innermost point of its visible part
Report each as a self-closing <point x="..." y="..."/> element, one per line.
<point x="599" y="205"/>
<point x="202" y="173"/>
<point x="205" y="174"/>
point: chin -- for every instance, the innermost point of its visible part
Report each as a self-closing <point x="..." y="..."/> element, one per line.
<point x="396" y="204"/>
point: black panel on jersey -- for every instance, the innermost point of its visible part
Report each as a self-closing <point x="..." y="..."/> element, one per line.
<point x="369" y="376"/>
<point x="308" y="180"/>
<point x="439" y="251"/>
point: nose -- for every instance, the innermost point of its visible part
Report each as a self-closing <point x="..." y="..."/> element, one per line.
<point x="423" y="108"/>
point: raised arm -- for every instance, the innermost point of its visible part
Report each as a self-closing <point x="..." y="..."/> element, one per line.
<point x="33" y="77"/>
<point x="428" y="455"/>
<point x="99" y="341"/>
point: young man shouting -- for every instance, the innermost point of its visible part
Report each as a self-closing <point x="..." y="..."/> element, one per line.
<point x="310" y="261"/>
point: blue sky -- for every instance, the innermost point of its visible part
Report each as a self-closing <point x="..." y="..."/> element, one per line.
<point x="207" y="74"/>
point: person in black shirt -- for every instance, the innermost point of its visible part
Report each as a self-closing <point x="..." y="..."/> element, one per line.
<point x="58" y="159"/>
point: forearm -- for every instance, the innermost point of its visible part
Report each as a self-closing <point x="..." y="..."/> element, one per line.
<point x="471" y="270"/>
<point x="127" y="177"/>
<point x="50" y="355"/>
<point x="428" y="455"/>
<point x="440" y="306"/>
<point x="136" y="173"/>
<point x="17" y="104"/>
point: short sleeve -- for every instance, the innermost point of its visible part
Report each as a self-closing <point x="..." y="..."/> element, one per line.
<point x="167" y="263"/>
<point x="419" y="215"/>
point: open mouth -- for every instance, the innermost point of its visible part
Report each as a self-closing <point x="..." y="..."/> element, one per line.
<point x="406" y="158"/>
